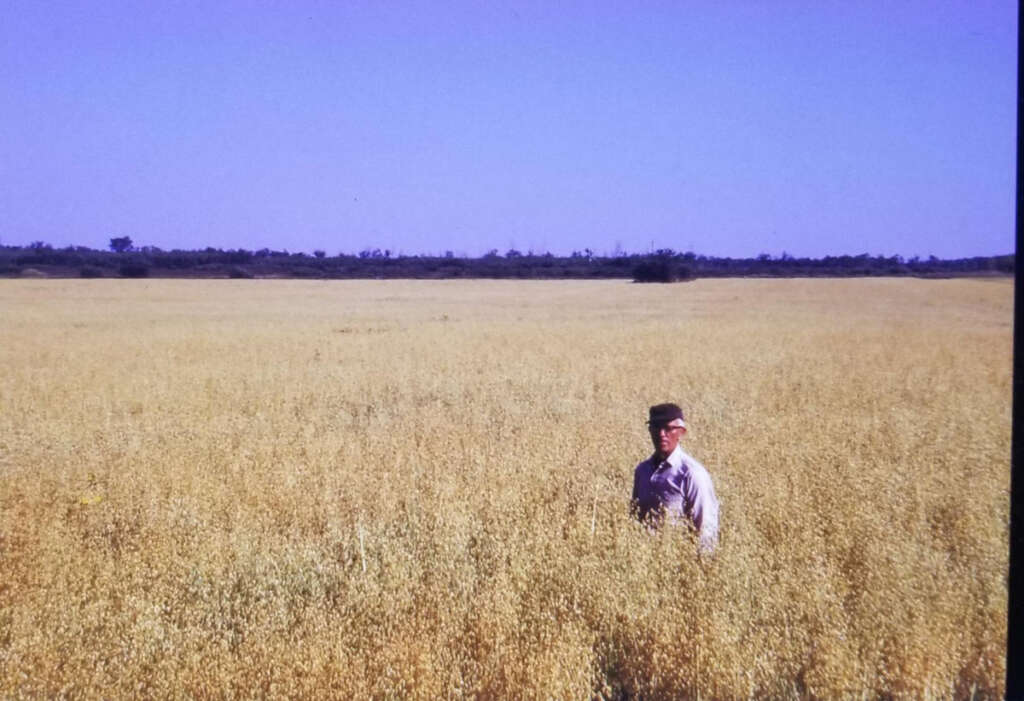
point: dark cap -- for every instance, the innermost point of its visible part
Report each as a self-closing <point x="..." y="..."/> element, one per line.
<point x="663" y="414"/>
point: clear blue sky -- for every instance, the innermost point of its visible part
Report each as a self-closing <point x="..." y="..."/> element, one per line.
<point x="727" y="128"/>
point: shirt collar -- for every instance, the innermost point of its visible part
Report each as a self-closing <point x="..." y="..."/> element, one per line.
<point x="675" y="459"/>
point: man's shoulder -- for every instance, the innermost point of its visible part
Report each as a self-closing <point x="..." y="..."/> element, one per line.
<point x="645" y="464"/>
<point x="694" y="465"/>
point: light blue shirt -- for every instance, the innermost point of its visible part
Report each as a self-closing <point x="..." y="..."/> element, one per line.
<point x="677" y="490"/>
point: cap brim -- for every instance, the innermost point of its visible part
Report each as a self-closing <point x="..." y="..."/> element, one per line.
<point x="670" y="422"/>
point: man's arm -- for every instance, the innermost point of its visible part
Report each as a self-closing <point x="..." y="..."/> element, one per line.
<point x="634" y="501"/>
<point x="704" y="508"/>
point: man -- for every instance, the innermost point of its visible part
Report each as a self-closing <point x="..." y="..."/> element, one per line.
<point x="671" y="485"/>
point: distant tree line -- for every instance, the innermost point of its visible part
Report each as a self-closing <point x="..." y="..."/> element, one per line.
<point x="124" y="259"/>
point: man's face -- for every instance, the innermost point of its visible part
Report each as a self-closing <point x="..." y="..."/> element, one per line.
<point x="666" y="437"/>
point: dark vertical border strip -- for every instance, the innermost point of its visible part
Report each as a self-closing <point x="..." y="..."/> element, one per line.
<point x="1015" y="612"/>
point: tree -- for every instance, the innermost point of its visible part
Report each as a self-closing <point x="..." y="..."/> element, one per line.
<point x="661" y="270"/>
<point x="319" y="254"/>
<point x="134" y="270"/>
<point x="120" y="244"/>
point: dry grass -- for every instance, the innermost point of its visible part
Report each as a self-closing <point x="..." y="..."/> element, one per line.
<point x="419" y="489"/>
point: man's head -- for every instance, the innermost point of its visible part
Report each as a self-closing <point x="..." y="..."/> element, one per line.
<point x="667" y="426"/>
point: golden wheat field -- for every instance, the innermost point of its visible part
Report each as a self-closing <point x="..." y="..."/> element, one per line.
<point x="420" y="489"/>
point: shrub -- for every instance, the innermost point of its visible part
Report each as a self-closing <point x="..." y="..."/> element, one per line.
<point x="240" y="274"/>
<point x="134" y="270"/>
<point x="89" y="271"/>
<point x="661" y="271"/>
<point x="305" y="271"/>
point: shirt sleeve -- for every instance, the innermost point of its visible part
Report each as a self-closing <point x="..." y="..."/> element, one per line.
<point x="704" y="509"/>
<point x="634" y="501"/>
